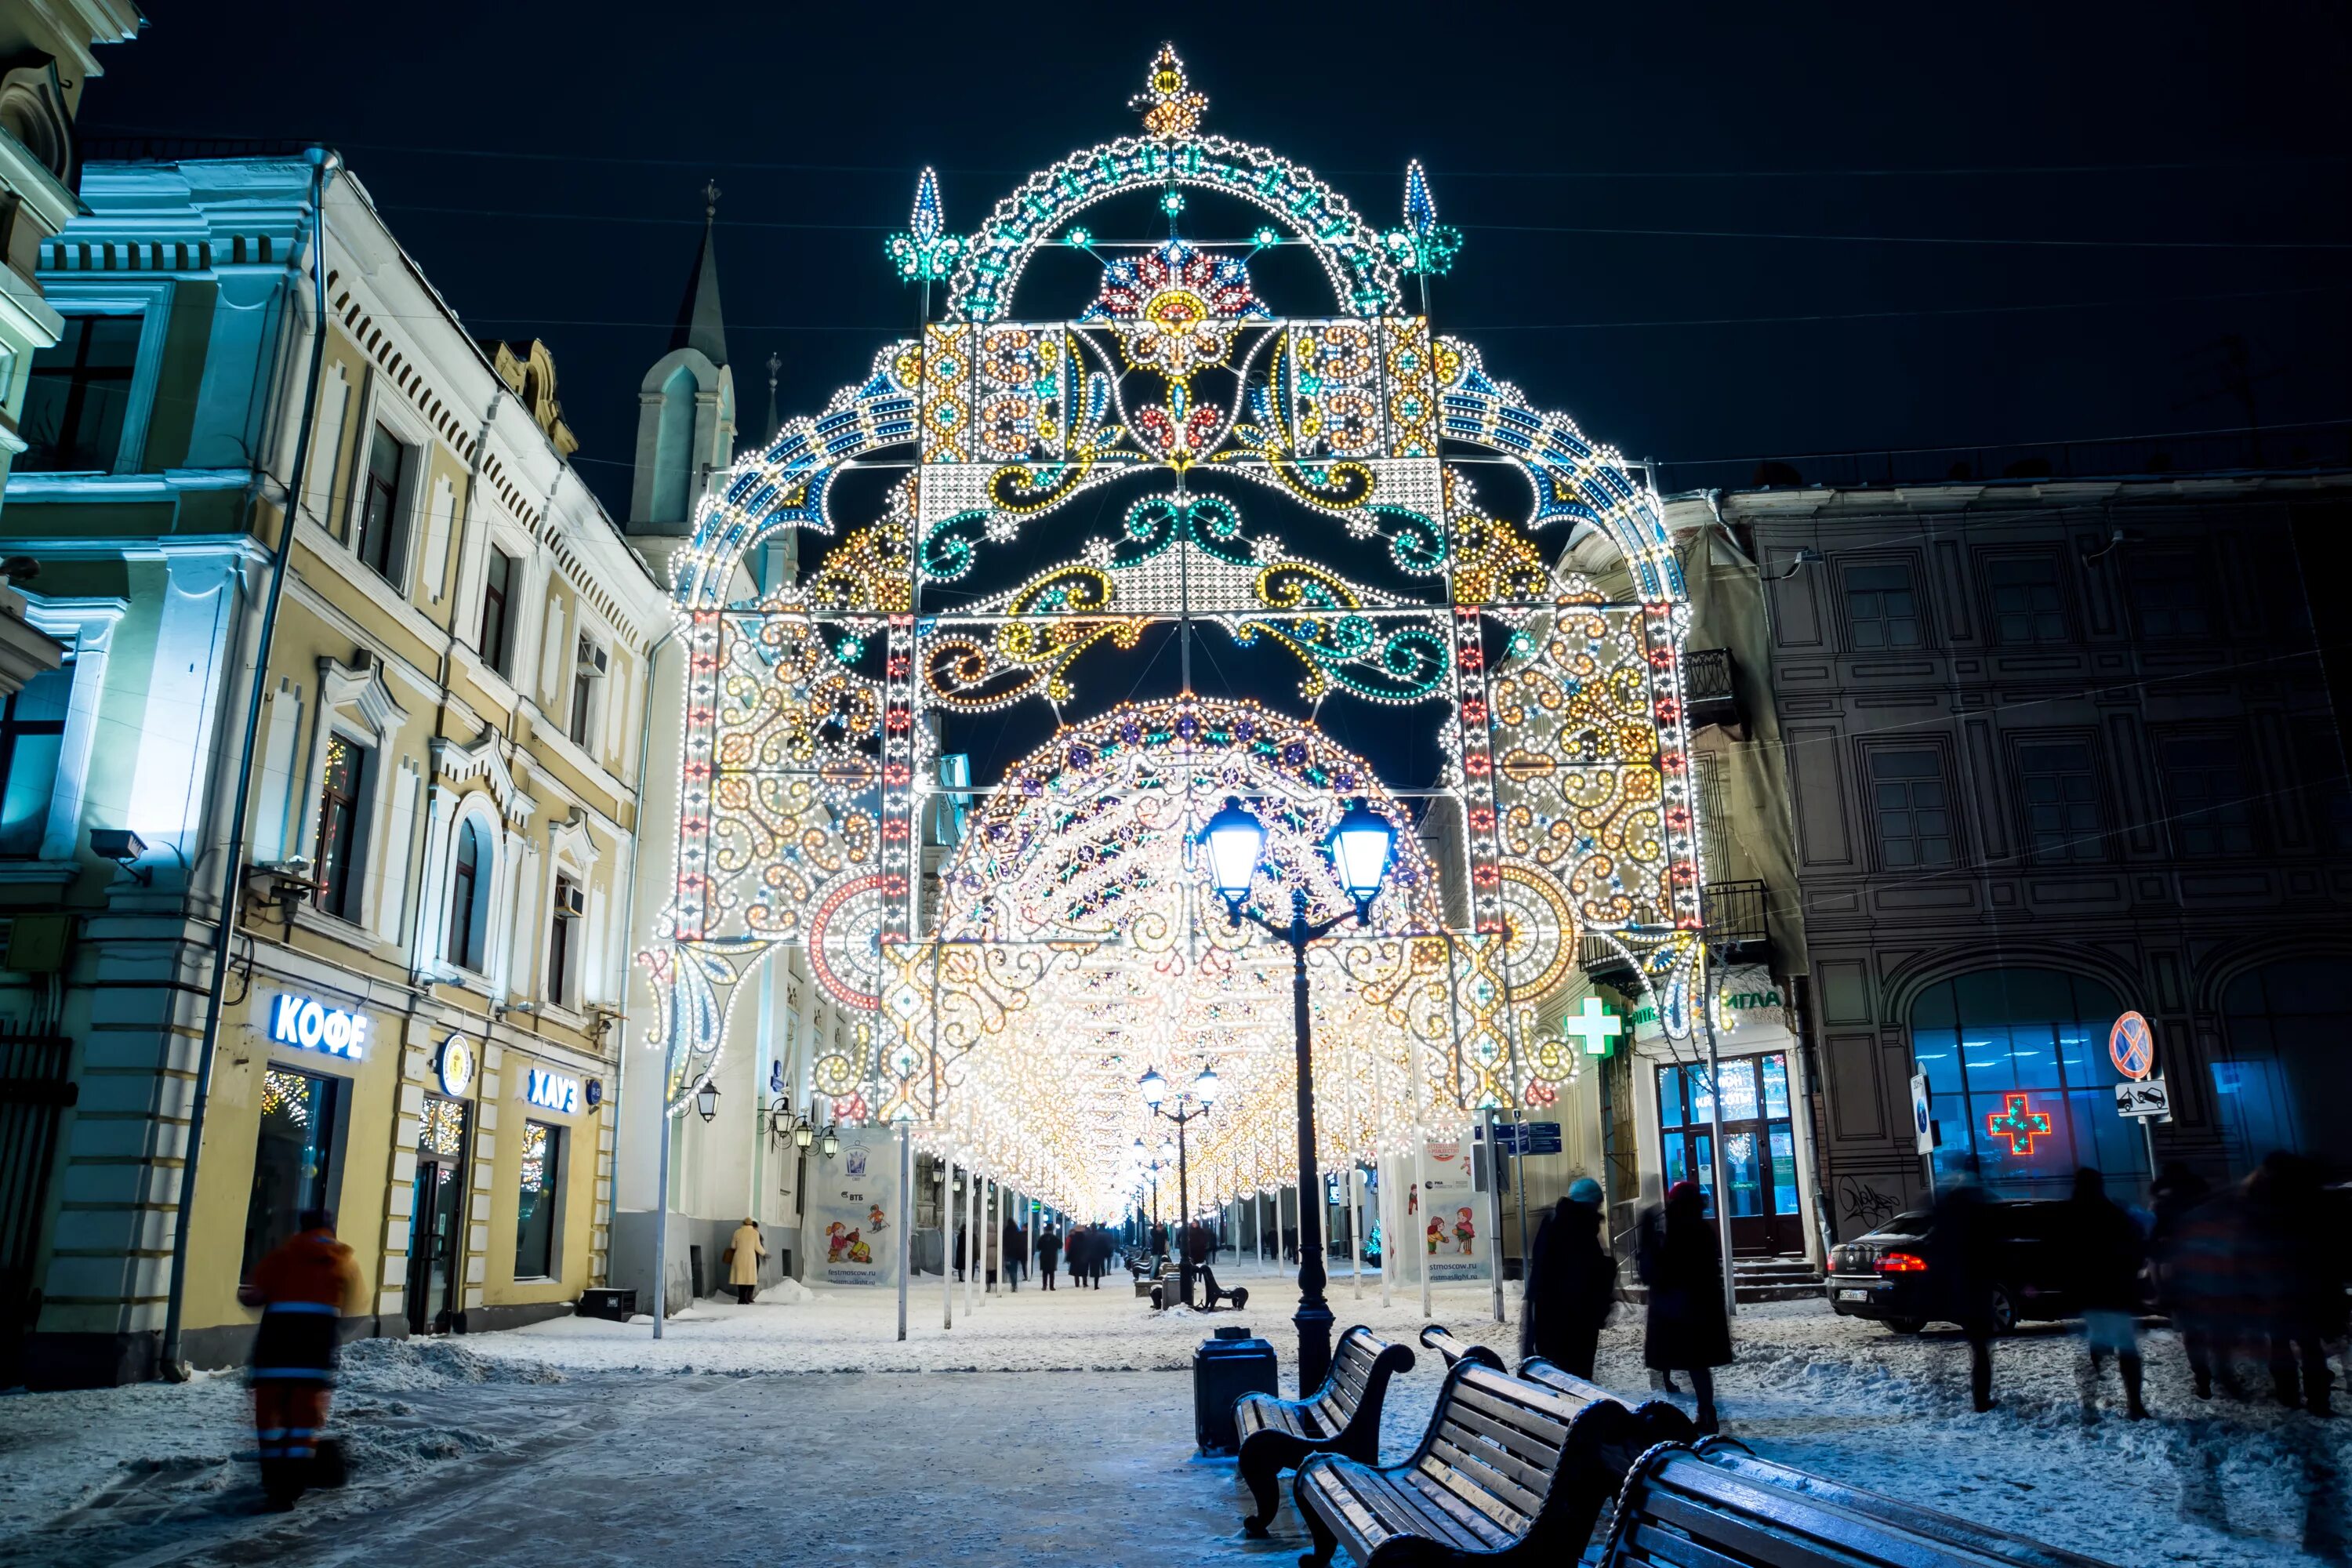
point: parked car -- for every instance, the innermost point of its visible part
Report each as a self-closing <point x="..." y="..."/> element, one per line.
<point x="1887" y="1273"/>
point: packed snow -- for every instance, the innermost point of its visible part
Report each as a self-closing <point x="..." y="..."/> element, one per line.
<point x="2232" y="1484"/>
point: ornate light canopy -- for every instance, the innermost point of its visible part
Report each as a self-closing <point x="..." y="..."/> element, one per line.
<point x="1351" y="488"/>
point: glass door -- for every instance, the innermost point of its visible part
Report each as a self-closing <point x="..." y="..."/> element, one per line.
<point x="435" y="1223"/>
<point x="1759" y="1148"/>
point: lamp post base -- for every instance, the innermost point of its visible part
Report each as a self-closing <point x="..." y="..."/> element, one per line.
<point x="1314" y="1326"/>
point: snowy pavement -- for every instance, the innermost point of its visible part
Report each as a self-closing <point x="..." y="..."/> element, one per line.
<point x="1046" y="1429"/>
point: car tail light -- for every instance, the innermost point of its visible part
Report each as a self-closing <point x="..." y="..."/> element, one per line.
<point x="1903" y="1263"/>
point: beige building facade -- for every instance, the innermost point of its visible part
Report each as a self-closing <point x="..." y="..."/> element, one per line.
<point x="427" y="944"/>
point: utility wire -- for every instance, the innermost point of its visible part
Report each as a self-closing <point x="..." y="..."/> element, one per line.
<point x="1968" y="171"/>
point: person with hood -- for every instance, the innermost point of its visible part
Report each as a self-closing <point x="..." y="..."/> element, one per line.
<point x="303" y="1288"/>
<point x="1049" y="1256"/>
<point x="1688" y="1330"/>
<point x="2104" y="1254"/>
<point x="1015" y="1244"/>
<point x="744" y="1250"/>
<point x="1572" y="1284"/>
<point x="1962" y="1268"/>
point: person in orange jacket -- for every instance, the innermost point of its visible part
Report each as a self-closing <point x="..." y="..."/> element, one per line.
<point x="302" y="1289"/>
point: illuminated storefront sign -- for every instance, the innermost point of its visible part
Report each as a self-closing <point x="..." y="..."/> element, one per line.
<point x="314" y="1026"/>
<point x="457" y="1066"/>
<point x="550" y="1090"/>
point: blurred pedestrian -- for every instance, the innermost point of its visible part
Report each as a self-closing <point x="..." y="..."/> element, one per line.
<point x="1688" y="1330"/>
<point x="961" y="1236"/>
<point x="1572" y="1284"/>
<point x="1961" y="1273"/>
<point x="2102" y="1260"/>
<point x="2299" y="1274"/>
<point x="744" y="1250"/>
<point x="1015" y="1247"/>
<point x="304" y="1286"/>
<point x="1049" y="1256"/>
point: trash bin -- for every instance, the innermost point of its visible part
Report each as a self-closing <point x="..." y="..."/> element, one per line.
<point x="1223" y="1369"/>
<point x="618" y="1305"/>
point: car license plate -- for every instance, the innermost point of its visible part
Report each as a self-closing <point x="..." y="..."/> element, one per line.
<point x="1853" y="1294"/>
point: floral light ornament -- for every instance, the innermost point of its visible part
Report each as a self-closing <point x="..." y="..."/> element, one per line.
<point x="1423" y="244"/>
<point x="927" y="252"/>
<point x="1171" y="109"/>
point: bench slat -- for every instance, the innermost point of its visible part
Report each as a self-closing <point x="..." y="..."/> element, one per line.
<point x="1531" y="1470"/>
<point x="1772" y="1526"/>
<point x="1462" y="1489"/>
<point x="1524" y="1431"/>
<point x="1438" y="1513"/>
<point x="1645" y="1544"/>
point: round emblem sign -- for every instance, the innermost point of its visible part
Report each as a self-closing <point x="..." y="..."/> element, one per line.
<point x="457" y="1066"/>
<point x="2131" y="1044"/>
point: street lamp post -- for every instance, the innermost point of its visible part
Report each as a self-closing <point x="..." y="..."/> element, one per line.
<point x="1191" y="1106"/>
<point x="1361" y="848"/>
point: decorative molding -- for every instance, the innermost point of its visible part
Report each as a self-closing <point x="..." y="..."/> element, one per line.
<point x="485" y="759"/>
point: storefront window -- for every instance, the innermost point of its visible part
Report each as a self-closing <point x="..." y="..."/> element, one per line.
<point x="292" y="1165"/>
<point x="443" y="1131"/>
<point x="542" y="1162"/>
<point x="2016" y="1069"/>
<point x="2287" y="1023"/>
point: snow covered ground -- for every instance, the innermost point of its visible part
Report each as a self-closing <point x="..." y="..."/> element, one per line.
<point x="2218" y="1483"/>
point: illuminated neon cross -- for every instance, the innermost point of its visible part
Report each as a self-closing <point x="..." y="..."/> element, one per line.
<point x="1596" y="1026"/>
<point x="2017" y="1124"/>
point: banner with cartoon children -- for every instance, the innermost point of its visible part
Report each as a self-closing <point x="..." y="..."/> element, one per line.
<point x="849" y="1222"/>
<point x="1448" y="1221"/>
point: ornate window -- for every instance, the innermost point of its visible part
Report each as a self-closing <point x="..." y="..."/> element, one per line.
<point x="1911" y="805"/>
<point x="339" y="871"/>
<point x="468" y="899"/>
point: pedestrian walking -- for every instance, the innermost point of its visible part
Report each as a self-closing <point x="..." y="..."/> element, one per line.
<point x="744" y="1251"/>
<point x="1962" y="1268"/>
<point x="2102" y="1257"/>
<point x="303" y="1288"/>
<point x="2298" y="1272"/>
<point x="1013" y="1259"/>
<point x="961" y="1236"/>
<point x="1049" y="1256"/>
<point x="1687" y="1329"/>
<point x="1572" y="1284"/>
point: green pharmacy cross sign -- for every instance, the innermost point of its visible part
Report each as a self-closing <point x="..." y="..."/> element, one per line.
<point x="1596" y="1026"/>
<point x="2017" y="1124"/>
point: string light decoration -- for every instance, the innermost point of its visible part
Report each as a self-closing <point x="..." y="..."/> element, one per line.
<point x="926" y="252"/>
<point x="1288" y="480"/>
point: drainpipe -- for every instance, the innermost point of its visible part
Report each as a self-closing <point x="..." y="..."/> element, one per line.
<point x="621" y="1073"/>
<point x="323" y="164"/>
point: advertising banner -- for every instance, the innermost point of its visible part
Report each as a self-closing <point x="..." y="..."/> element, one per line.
<point x="850" y="1226"/>
<point x="1448" y="1219"/>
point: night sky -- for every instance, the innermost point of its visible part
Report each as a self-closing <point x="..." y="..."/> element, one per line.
<point x="2180" y="171"/>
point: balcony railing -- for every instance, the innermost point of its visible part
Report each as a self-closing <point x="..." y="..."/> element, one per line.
<point x="1737" y="932"/>
<point x="1707" y="682"/>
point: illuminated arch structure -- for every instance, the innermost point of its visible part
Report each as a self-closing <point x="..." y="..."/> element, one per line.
<point x="1072" y="937"/>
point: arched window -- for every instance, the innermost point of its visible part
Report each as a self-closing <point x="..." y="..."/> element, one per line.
<point x="674" y="446"/>
<point x="469" y="900"/>
<point x="2289" y="1072"/>
<point x="2017" y="1067"/>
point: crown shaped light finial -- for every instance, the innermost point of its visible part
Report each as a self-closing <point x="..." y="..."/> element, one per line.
<point x="1171" y="108"/>
<point x="926" y="251"/>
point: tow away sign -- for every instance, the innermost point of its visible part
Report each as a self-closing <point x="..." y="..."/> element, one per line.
<point x="2144" y="1098"/>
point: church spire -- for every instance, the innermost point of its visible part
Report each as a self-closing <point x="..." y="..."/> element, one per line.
<point x="700" y="324"/>
<point x="775" y="366"/>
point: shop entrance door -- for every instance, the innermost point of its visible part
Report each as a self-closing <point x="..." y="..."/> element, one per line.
<point x="1759" y="1148"/>
<point x="435" y="1223"/>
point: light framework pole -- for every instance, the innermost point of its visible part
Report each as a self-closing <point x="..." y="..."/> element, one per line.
<point x="1192" y="1105"/>
<point x="1360" y="846"/>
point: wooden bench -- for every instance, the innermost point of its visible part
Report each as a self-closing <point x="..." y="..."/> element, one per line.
<point x="1147" y="1281"/>
<point x="1509" y="1471"/>
<point x="1343" y="1418"/>
<point x="1715" y="1505"/>
<point x="1452" y="1348"/>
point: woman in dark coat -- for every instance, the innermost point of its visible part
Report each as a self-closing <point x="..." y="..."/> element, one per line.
<point x="1572" y="1284"/>
<point x="1683" y="1267"/>
<point x="1049" y="1256"/>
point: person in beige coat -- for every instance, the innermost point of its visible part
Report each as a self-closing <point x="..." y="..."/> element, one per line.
<point x="743" y="1255"/>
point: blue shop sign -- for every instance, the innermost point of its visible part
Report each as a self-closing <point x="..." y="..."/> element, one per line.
<point x="550" y="1090"/>
<point x="315" y="1026"/>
